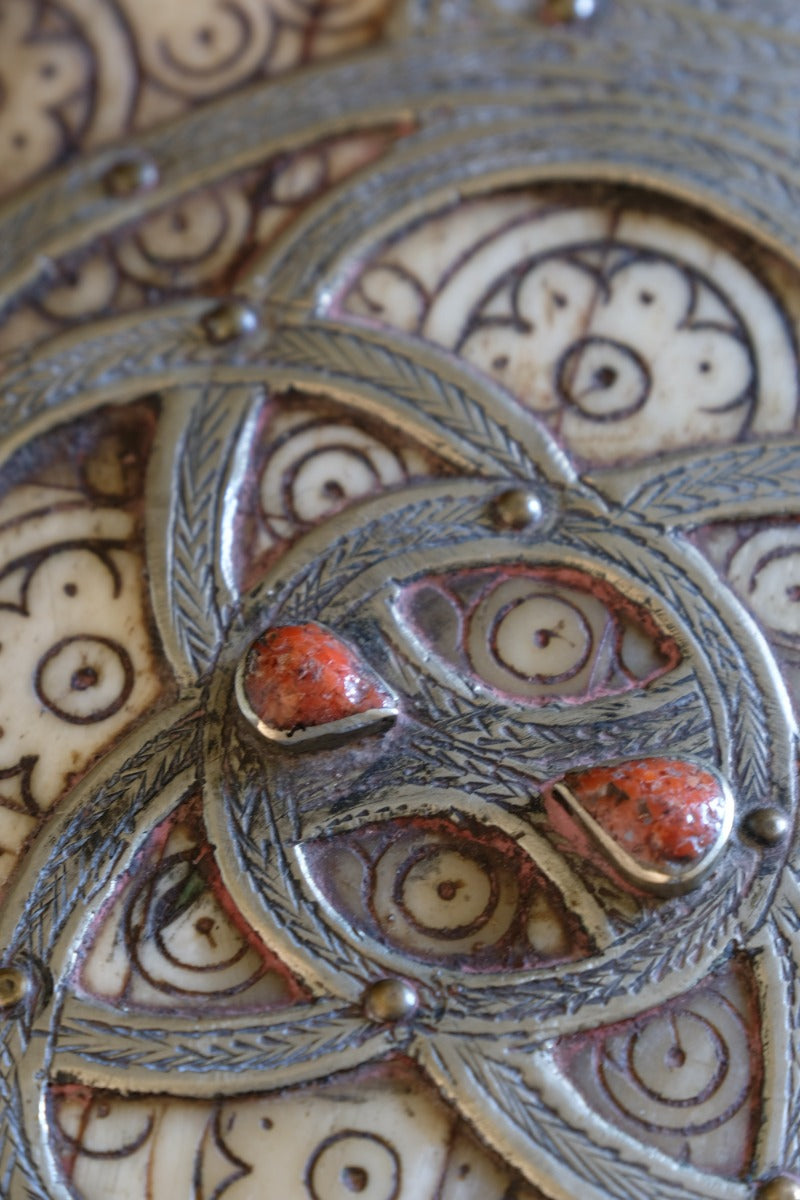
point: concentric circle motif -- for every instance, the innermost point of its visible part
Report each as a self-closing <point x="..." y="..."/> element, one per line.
<point x="408" y="878"/>
<point x="690" y="1037"/>
<point x="398" y="615"/>
<point x="463" y="887"/>
<point x="83" y="679"/>
<point x="443" y="894"/>
<point x="351" y="1163"/>
<point x="604" y="379"/>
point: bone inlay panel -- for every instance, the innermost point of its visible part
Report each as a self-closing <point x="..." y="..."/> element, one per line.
<point x="627" y="333"/>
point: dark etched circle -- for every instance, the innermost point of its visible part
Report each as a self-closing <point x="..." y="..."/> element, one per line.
<point x="423" y="860"/>
<point x="315" y="468"/>
<point x="641" y="1059"/>
<point x="354" y="1162"/>
<point x="541" y="636"/>
<point x="604" y="379"/>
<point x="84" y="679"/>
<point x="160" y="899"/>
<point x="681" y="1072"/>
<point x="333" y="490"/>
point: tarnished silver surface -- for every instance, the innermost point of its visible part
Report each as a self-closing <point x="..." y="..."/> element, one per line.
<point x="691" y="104"/>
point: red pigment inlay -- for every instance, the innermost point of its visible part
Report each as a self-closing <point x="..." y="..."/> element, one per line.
<point x="657" y="809"/>
<point x="302" y="675"/>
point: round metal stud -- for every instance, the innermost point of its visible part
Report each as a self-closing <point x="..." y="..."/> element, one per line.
<point x="767" y="825"/>
<point x="230" y="320"/>
<point x="131" y="176"/>
<point x="516" y="509"/>
<point x="782" y="1187"/>
<point x="555" y="12"/>
<point x="14" y="987"/>
<point x="390" y="1000"/>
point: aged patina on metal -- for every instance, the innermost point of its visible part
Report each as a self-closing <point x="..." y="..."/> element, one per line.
<point x="496" y="893"/>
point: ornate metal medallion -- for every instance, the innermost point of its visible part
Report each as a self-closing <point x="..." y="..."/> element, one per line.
<point x="399" y="607"/>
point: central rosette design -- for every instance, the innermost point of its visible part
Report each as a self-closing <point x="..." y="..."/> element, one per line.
<point x="520" y="750"/>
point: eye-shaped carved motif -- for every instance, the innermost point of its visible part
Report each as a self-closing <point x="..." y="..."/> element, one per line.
<point x="445" y="893"/>
<point x="686" y="336"/>
<point x="539" y="634"/>
<point x="171" y="937"/>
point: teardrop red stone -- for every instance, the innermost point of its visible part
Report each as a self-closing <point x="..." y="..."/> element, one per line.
<point x="296" y="676"/>
<point x="659" y="810"/>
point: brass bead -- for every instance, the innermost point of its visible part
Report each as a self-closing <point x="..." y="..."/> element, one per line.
<point x="782" y="1187"/>
<point x="230" y="320"/>
<point x="390" y="1000"/>
<point x="555" y="12"/>
<point x="14" y="986"/>
<point x="131" y="176"/>
<point x="517" y="508"/>
<point x="767" y="825"/>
